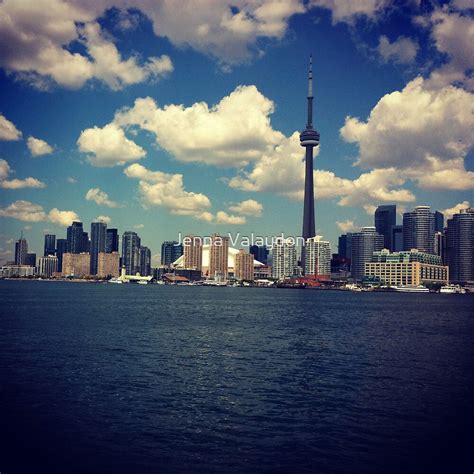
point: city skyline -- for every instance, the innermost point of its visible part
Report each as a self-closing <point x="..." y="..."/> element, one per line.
<point x="113" y="144"/>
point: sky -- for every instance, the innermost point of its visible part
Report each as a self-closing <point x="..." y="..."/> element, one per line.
<point x="168" y="117"/>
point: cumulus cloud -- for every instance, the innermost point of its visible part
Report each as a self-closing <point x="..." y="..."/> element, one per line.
<point x="29" y="212"/>
<point x="346" y="226"/>
<point x="39" y="147"/>
<point x="108" y="146"/>
<point x="8" y="131"/>
<point x="62" y="218"/>
<point x="101" y="198"/>
<point x="105" y="219"/>
<point x="223" y="218"/>
<point x="232" y="133"/>
<point x="139" y="226"/>
<point x="403" y="50"/>
<point x="348" y="11"/>
<point x="16" y="183"/>
<point x="250" y="207"/>
<point x="448" y="213"/>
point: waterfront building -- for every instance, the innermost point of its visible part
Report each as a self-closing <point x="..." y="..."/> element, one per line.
<point x="61" y="249"/>
<point x="192" y="252"/>
<point x="364" y="243"/>
<point x="385" y="218"/>
<point x="260" y="253"/>
<point x="98" y="239"/>
<point x="47" y="266"/>
<point x="170" y="252"/>
<point x="262" y="272"/>
<point x="108" y="264"/>
<point x="406" y="268"/>
<point x="21" y="271"/>
<point x="75" y="238"/>
<point x="244" y="269"/>
<point x="397" y="238"/>
<point x="460" y="246"/>
<point x="49" y="245"/>
<point x="318" y="257"/>
<point x="284" y="258"/>
<point x="30" y="259"/>
<point x="111" y="241"/>
<point x="344" y="247"/>
<point x="131" y="244"/>
<point x="218" y="256"/>
<point x="418" y="229"/>
<point x="309" y="138"/>
<point x="76" y="264"/>
<point x="145" y="261"/>
<point x="21" y="250"/>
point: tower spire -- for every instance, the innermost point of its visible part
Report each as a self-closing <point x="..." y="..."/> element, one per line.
<point x="309" y="124"/>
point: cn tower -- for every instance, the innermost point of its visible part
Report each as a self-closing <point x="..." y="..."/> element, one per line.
<point x="309" y="138"/>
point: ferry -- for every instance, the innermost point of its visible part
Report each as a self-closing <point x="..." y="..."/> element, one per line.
<point x="142" y="282"/>
<point x="116" y="281"/>
<point x="452" y="289"/>
<point x="411" y="289"/>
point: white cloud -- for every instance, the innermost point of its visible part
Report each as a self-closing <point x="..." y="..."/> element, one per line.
<point x="71" y="180"/>
<point x="5" y="183"/>
<point x="403" y="50"/>
<point x="224" y="218"/>
<point x="29" y="212"/>
<point x="62" y="218"/>
<point x="448" y="213"/>
<point x="105" y="219"/>
<point x="346" y="226"/>
<point x="231" y="133"/>
<point x="8" y="131"/>
<point x="139" y="226"/>
<point x="38" y="147"/>
<point x="348" y="11"/>
<point x="250" y="207"/>
<point x="108" y="146"/>
<point x="101" y="198"/>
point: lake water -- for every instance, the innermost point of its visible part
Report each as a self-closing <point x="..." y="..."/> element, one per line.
<point x="134" y="378"/>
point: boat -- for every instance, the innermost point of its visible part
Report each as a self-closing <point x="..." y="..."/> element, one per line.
<point x="142" y="282"/>
<point x="452" y="289"/>
<point x="116" y="281"/>
<point x="411" y="289"/>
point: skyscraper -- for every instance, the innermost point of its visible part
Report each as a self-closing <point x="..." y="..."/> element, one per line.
<point x="75" y="239"/>
<point x="260" y="253"/>
<point x="397" y="238"/>
<point x="460" y="246"/>
<point x="418" y="229"/>
<point x="309" y="138"/>
<point x="111" y="241"/>
<point x="385" y="218"/>
<point x="30" y="259"/>
<point x="61" y="249"/>
<point x="318" y="257"/>
<point x="364" y="243"/>
<point x="108" y="264"/>
<point x="344" y="246"/>
<point x="439" y="221"/>
<point x="49" y="245"/>
<point x="244" y="266"/>
<point x="98" y="237"/>
<point x="170" y="252"/>
<point x="47" y="265"/>
<point x="218" y="256"/>
<point x="21" y="250"/>
<point x="284" y="258"/>
<point x="131" y="252"/>
<point x="192" y="252"/>
<point x="145" y="261"/>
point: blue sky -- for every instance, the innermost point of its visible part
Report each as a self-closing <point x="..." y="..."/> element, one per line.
<point x="165" y="120"/>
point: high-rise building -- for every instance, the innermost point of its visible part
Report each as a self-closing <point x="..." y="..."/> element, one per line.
<point x="49" y="245"/>
<point x="439" y="221"/>
<point x="86" y="243"/>
<point x="243" y="269"/>
<point x="364" y="243"/>
<point x="318" y="257"/>
<point x="76" y="264"/>
<point x="108" y="264"/>
<point x="75" y="238"/>
<point x="98" y="238"/>
<point x="111" y="241"/>
<point x="344" y="247"/>
<point x="260" y="253"/>
<point x="309" y="138"/>
<point x="47" y="265"/>
<point x="397" y="238"/>
<point x="192" y="252"/>
<point x="284" y="258"/>
<point x="61" y="249"/>
<point x="385" y="218"/>
<point x="170" y="252"/>
<point x="145" y="261"/>
<point x="30" y="259"/>
<point x="440" y="245"/>
<point x="460" y="246"/>
<point x="21" y="250"/>
<point x="218" y="256"/>
<point x="131" y="252"/>
<point x="418" y="229"/>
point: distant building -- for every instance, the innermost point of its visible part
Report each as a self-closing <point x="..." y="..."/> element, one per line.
<point x="61" y="249"/>
<point x="440" y="245"/>
<point x="418" y="229"/>
<point x="30" y="259"/>
<point x="406" y="268"/>
<point x="192" y="252"/>
<point x="47" y="266"/>
<point x="49" y="245"/>
<point x="218" y="256"/>
<point x="75" y="238"/>
<point x="318" y="257"/>
<point x="111" y="241"/>
<point x="76" y="264"/>
<point x="131" y="244"/>
<point x="244" y="269"/>
<point x="364" y="243"/>
<point x="385" y="218"/>
<point x="344" y="248"/>
<point x="21" y="271"/>
<point x="21" y="250"/>
<point x="108" y="264"/>
<point x="284" y="258"/>
<point x="170" y="252"/>
<point x="460" y="246"/>
<point x="145" y="261"/>
<point x="397" y="238"/>
<point x="86" y="243"/>
<point x="98" y="239"/>
<point x="260" y="253"/>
